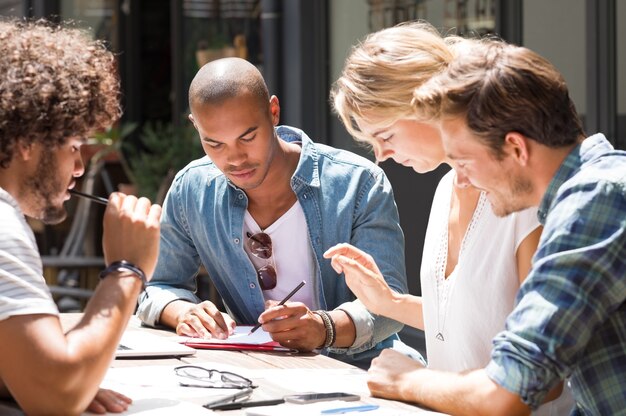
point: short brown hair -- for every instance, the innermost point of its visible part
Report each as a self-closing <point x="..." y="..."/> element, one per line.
<point x="56" y="83"/>
<point x="500" y="88"/>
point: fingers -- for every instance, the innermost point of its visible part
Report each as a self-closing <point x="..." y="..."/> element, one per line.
<point x="344" y="249"/>
<point x="131" y="231"/>
<point x="206" y="321"/>
<point x="349" y="251"/>
<point x="186" y="329"/>
<point x="295" y="327"/>
<point x="109" y="401"/>
<point x="128" y="205"/>
<point x="154" y="216"/>
<point x="348" y="264"/>
<point x="223" y="322"/>
<point x="282" y="311"/>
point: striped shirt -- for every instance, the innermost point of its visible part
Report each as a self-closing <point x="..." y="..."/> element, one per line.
<point x="23" y="290"/>
<point x="570" y="317"/>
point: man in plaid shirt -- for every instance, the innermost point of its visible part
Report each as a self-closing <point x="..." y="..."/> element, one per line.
<point x="511" y="129"/>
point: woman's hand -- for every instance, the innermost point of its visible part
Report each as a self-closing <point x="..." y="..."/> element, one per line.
<point x="362" y="277"/>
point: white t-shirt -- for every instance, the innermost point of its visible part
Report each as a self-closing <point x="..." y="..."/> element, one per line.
<point x="292" y="255"/>
<point x="23" y="290"/>
<point x="471" y="306"/>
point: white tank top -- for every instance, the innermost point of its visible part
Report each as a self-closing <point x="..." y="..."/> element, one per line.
<point x="471" y="306"/>
<point x="291" y="253"/>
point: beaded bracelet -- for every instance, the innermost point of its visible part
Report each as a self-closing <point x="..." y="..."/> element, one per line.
<point x="329" y="324"/>
<point x="124" y="266"/>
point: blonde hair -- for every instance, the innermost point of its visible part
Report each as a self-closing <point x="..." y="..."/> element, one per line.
<point x="383" y="70"/>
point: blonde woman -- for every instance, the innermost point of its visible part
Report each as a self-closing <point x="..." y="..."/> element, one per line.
<point x="473" y="261"/>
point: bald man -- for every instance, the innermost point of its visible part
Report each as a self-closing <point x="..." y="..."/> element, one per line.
<point x="258" y="212"/>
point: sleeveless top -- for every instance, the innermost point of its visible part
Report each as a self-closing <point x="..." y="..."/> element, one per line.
<point x="464" y="312"/>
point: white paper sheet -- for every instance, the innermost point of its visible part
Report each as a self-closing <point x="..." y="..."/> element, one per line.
<point x="151" y="388"/>
<point x="242" y="335"/>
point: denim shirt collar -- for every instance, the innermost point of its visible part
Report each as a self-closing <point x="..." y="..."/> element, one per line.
<point x="307" y="171"/>
<point x="587" y="150"/>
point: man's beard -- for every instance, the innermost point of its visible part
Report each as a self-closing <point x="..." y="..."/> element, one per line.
<point x="516" y="201"/>
<point x="46" y="187"/>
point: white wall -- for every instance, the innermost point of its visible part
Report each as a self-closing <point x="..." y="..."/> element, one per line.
<point x="12" y="8"/>
<point x="556" y="30"/>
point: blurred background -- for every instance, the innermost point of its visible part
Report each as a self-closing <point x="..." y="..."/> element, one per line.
<point x="300" y="47"/>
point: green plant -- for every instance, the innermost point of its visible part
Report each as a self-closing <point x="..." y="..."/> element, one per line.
<point x="161" y="151"/>
<point x="112" y="140"/>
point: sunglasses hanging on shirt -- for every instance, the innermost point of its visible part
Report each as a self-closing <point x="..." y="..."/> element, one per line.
<point x="260" y="245"/>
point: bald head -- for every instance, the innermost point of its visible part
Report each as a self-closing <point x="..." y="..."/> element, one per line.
<point x="224" y="79"/>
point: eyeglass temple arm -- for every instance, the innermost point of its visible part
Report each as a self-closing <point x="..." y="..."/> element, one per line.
<point x="239" y="396"/>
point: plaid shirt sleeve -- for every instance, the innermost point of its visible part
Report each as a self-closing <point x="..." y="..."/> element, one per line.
<point x="566" y="311"/>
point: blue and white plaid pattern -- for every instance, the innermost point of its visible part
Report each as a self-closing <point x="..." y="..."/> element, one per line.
<point x="570" y="317"/>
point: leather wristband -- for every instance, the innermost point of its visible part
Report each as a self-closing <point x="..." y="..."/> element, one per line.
<point x="124" y="266"/>
<point x="329" y="325"/>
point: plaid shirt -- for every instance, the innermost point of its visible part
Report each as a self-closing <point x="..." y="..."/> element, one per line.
<point x="570" y="317"/>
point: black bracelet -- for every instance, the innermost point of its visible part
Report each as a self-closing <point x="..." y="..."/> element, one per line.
<point x="124" y="266"/>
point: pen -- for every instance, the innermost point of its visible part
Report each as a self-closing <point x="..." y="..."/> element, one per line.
<point x="230" y="399"/>
<point x="241" y="405"/>
<point x="282" y="302"/>
<point x="94" y="198"/>
<point x="361" y="408"/>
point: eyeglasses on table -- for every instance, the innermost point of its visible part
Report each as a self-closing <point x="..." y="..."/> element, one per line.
<point x="211" y="378"/>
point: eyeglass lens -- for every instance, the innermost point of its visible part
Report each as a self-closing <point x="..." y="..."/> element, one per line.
<point x="260" y="245"/>
<point x="226" y="379"/>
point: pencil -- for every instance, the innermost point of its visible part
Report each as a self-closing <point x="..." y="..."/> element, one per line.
<point x="94" y="198"/>
<point x="282" y="302"/>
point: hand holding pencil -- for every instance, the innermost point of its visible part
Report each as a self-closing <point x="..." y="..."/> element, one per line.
<point x="282" y="302"/>
<point x="293" y="325"/>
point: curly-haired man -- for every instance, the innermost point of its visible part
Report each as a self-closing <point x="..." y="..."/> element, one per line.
<point x="58" y="86"/>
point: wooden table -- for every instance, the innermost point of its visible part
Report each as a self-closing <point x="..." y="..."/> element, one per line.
<point x="276" y="373"/>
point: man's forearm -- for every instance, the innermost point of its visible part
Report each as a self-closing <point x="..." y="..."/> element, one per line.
<point x="47" y="369"/>
<point x="470" y="393"/>
<point x="105" y="318"/>
<point x="345" y="331"/>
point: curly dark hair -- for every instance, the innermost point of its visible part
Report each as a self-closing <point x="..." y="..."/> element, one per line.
<point x="56" y="83"/>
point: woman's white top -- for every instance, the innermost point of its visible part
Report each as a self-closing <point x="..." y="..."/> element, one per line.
<point x="464" y="312"/>
<point x="469" y="307"/>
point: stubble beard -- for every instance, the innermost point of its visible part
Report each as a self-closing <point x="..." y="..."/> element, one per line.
<point x="46" y="186"/>
<point x="516" y="200"/>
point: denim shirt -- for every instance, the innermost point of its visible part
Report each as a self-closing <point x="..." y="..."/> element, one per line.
<point x="345" y="198"/>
